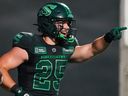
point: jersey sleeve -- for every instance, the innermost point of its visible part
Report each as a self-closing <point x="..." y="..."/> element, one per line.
<point x="22" y="40"/>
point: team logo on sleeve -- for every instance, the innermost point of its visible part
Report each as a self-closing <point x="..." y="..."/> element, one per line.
<point x="17" y="38"/>
<point x="40" y="50"/>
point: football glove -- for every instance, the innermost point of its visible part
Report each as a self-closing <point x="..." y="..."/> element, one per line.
<point x="114" y="34"/>
<point x="18" y="91"/>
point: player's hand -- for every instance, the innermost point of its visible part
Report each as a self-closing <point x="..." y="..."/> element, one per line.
<point x="114" y="34"/>
<point x="23" y="93"/>
<point x="117" y="32"/>
<point x="18" y="91"/>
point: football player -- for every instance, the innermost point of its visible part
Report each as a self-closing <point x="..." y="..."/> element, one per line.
<point x="42" y="58"/>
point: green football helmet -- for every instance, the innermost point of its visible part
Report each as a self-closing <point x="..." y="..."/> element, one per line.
<point x="52" y="12"/>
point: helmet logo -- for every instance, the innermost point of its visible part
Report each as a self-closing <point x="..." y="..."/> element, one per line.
<point x="47" y="10"/>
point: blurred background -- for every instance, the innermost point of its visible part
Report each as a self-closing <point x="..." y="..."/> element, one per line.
<point x="96" y="77"/>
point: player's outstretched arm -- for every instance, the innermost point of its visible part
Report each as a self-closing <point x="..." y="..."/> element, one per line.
<point x="88" y="51"/>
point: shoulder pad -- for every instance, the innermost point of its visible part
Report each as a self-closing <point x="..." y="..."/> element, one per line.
<point x="20" y="35"/>
<point x="26" y="34"/>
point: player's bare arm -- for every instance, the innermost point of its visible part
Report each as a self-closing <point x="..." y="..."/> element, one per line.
<point x="87" y="51"/>
<point x="11" y="60"/>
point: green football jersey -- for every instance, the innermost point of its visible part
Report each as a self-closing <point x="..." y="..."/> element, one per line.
<point x="44" y="70"/>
